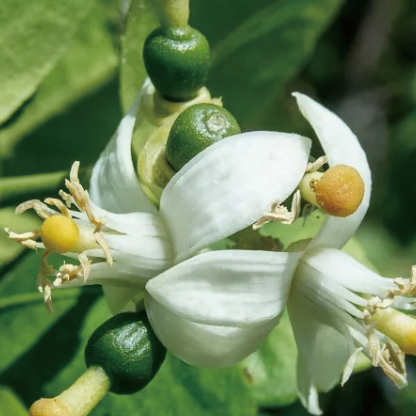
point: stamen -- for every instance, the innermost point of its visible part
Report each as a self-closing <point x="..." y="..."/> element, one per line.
<point x="280" y="213"/>
<point x="314" y="166"/>
<point x="81" y="197"/>
<point x="25" y="239"/>
<point x="67" y="272"/>
<point x="99" y="238"/>
<point x="399" y="328"/>
<point x="349" y="367"/>
<point x="43" y="283"/>
<point x="404" y="288"/>
<point x="67" y="198"/>
<point x="85" y="264"/>
<point x="392" y="364"/>
<point x="60" y="234"/>
<point x="60" y="205"/>
<point x="41" y="209"/>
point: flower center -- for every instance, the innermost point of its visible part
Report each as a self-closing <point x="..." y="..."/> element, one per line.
<point x="60" y="234"/>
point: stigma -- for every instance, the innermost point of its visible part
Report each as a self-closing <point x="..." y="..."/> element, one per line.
<point x="339" y="191"/>
<point x="59" y="234"/>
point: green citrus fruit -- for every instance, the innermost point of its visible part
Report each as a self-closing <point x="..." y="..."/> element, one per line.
<point x="177" y="61"/>
<point x="195" y="129"/>
<point x="127" y="349"/>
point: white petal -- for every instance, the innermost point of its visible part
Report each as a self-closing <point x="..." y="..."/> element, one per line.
<point x="132" y="223"/>
<point x="118" y="299"/>
<point x="322" y="355"/>
<point x="204" y="345"/>
<point x="114" y="185"/>
<point x="135" y="239"/>
<point x="229" y="288"/>
<point x="229" y="186"/>
<point x="118" y="275"/>
<point x="340" y="268"/>
<point x="341" y="147"/>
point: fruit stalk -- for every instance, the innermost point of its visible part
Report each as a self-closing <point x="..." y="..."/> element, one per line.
<point x="174" y="13"/>
<point x="79" y="399"/>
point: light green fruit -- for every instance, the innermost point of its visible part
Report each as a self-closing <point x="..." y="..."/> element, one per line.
<point x="195" y="129"/>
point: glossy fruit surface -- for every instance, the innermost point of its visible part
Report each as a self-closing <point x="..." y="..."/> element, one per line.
<point x="127" y="349"/>
<point x="177" y="61"/>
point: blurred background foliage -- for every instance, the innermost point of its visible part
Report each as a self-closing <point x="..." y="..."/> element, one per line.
<point x="69" y="70"/>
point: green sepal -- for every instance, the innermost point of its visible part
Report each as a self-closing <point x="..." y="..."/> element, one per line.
<point x="127" y="349"/>
<point x="195" y="129"/>
<point x="177" y="61"/>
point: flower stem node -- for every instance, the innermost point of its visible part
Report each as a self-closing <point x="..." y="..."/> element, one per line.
<point x="128" y="351"/>
<point x="48" y="407"/>
<point x="195" y="129"/>
<point x="338" y="192"/>
<point x="177" y="61"/>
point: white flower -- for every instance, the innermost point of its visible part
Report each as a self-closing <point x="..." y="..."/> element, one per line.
<point x="224" y="189"/>
<point x="216" y="308"/>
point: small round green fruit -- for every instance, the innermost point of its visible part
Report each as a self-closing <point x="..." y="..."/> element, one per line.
<point x="177" y="61"/>
<point x="127" y="349"/>
<point x="195" y="129"/>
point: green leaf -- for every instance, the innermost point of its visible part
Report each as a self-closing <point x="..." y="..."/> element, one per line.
<point x="23" y="316"/>
<point x="180" y="389"/>
<point x="13" y="187"/>
<point x="89" y="62"/>
<point x="253" y="63"/>
<point x="19" y="224"/>
<point x="10" y="404"/>
<point x="33" y="36"/>
<point x="80" y="133"/>
<point x="142" y="19"/>
<point x="271" y="370"/>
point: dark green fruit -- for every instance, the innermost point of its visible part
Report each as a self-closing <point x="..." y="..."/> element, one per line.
<point x="177" y="61"/>
<point x="195" y="129"/>
<point x="127" y="349"/>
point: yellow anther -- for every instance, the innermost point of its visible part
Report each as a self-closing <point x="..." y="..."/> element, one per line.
<point x="399" y="327"/>
<point x="59" y="234"/>
<point x="338" y="192"/>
